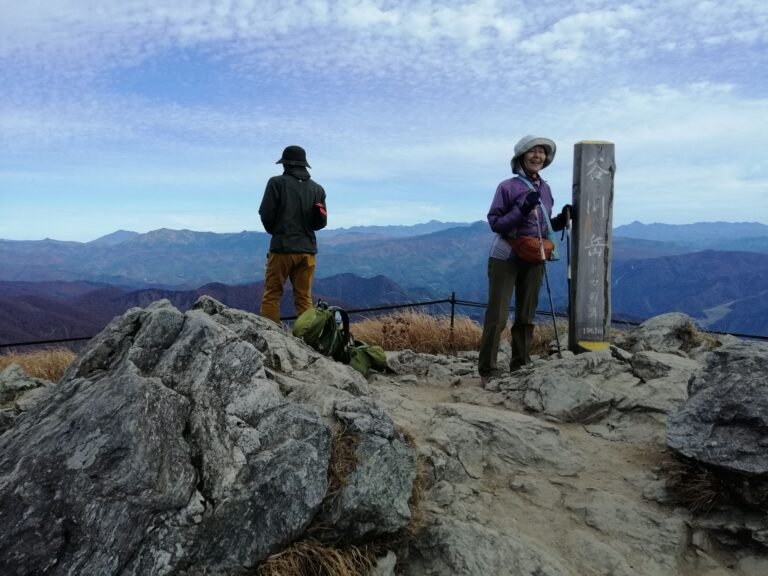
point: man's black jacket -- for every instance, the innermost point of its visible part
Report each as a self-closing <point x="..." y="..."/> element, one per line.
<point x="292" y="209"/>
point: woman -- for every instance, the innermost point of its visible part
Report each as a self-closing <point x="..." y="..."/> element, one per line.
<point x="517" y="210"/>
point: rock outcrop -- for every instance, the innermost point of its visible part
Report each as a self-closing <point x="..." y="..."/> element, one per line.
<point x="725" y="421"/>
<point x="167" y="449"/>
<point x="200" y="443"/>
<point x="723" y="429"/>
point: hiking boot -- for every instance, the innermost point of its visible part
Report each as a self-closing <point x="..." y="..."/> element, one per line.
<point x="490" y="383"/>
<point x="487" y="377"/>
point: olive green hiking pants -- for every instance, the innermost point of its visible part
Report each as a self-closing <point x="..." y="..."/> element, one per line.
<point x="504" y="278"/>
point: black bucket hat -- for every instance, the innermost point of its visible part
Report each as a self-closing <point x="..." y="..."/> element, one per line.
<point x="294" y="156"/>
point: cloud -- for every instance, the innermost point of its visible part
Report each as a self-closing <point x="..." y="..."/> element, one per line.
<point x="419" y="102"/>
<point x="586" y="38"/>
<point x="417" y="49"/>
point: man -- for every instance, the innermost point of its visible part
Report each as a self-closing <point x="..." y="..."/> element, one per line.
<point x="292" y="209"/>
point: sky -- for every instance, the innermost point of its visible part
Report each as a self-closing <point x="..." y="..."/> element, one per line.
<point x="147" y="114"/>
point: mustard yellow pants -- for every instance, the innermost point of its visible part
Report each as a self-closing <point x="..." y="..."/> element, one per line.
<point x="299" y="268"/>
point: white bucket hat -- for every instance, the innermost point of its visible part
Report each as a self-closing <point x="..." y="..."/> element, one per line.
<point x="526" y="143"/>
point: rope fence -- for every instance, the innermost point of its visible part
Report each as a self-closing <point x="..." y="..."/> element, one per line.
<point x="453" y="301"/>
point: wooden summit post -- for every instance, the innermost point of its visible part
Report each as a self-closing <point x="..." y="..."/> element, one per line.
<point x="589" y="287"/>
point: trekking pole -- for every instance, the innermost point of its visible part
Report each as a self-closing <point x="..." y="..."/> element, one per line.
<point x="568" y="256"/>
<point x="549" y="290"/>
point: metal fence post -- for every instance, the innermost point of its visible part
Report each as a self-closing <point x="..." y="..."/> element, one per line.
<point x="452" y="347"/>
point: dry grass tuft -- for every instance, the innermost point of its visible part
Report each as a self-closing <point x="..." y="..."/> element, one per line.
<point x="700" y="488"/>
<point x="420" y="485"/>
<point x="415" y="503"/>
<point x="544" y="334"/>
<point x="47" y="364"/>
<point x="408" y="436"/>
<point x="691" y="484"/>
<point x="692" y="338"/>
<point x="311" y="558"/>
<point x="431" y="334"/>
<point x="343" y="459"/>
<point x="419" y="332"/>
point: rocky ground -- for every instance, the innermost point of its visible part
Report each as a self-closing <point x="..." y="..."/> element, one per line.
<point x="560" y="469"/>
<point x="563" y="468"/>
<point x="528" y="495"/>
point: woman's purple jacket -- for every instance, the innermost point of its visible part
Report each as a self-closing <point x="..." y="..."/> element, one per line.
<point x="505" y="216"/>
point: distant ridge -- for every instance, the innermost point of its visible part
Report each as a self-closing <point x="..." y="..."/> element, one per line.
<point x="115" y="238"/>
<point x="692" y="233"/>
<point x="687" y="233"/>
<point x="39" y="311"/>
<point x="396" y="230"/>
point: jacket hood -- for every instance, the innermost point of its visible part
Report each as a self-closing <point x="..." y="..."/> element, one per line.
<point x="299" y="172"/>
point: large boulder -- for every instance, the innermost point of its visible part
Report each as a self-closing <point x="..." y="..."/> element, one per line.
<point x="722" y="433"/>
<point x="724" y="423"/>
<point x="170" y="446"/>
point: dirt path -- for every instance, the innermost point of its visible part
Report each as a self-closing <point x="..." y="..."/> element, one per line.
<point x="606" y="518"/>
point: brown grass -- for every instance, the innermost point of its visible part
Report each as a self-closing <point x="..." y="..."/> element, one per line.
<point x="693" y="338"/>
<point x="432" y="334"/>
<point x="420" y="485"/>
<point x="343" y="459"/>
<point x="700" y="488"/>
<point x="419" y="332"/>
<point x="311" y="558"/>
<point x="691" y="484"/>
<point x="545" y="333"/>
<point x="47" y="364"/>
<point x="342" y="462"/>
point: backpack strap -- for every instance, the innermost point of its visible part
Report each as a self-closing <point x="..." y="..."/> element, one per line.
<point x="527" y="182"/>
<point x="344" y="322"/>
<point x="543" y="208"/>
<point x="346" y="336"/>
<point x="549" y="224"/>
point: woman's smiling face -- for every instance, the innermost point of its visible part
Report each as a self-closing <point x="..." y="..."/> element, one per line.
<point x="533" y="160"/>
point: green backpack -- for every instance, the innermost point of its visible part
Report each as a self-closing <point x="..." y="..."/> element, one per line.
<point x="364" y="357"/>
<point x="326" y="329"/>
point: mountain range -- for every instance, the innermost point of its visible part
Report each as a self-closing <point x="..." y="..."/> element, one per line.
<point x="50" y="288"/>
<point x="35" y="311"/>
